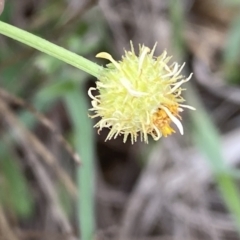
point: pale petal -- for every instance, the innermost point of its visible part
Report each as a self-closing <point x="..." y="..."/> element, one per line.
<point x="90" y="94"/>
<point x="108" y="57"/>
<point x="145" y="51"/>
<point x="174" y="119"/>
<point x="126" y="83"/>
<point x="187" y="106"/>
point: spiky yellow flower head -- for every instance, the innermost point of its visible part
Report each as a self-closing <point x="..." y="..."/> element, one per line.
<point x="139" y="95"/>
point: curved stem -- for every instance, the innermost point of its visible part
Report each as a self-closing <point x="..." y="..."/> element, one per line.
<point x="50" y="48"/>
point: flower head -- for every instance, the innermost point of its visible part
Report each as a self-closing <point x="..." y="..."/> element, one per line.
<point x="139" y="95"/>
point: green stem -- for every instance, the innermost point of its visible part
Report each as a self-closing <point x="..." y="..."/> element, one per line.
<point x="50" y="48"/>
<point x="84" y="143"/>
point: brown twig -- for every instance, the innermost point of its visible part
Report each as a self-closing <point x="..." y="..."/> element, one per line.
<point x="2" y="2"/>
<point x="43" y="120"/>
<point x="48" y="188"/>
<point x="6" y="232"/>
<point x="38" y="235"/>
<point x="22" y="134"/>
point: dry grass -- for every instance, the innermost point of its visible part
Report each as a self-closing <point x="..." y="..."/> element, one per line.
<point x="166" y="190"/>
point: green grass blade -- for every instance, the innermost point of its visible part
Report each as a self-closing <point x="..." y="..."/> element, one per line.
<point x="231" y="52"/>
<point x="14" y="191"/>
<point x="77" y="107"/>
<point x="205" y="132"/>
<point x="207" y="138"/>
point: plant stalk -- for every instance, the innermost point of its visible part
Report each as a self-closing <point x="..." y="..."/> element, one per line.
<point x="50" y="48"/>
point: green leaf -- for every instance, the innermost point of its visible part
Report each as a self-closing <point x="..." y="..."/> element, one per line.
<point x="14" y="191"/>
<point x="208" y="140"/>
<point x="77" y="107"/>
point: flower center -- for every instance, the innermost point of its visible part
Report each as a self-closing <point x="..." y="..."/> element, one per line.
<point x="162" y="120"/>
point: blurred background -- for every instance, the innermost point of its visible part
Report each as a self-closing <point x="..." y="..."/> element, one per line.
<point x="179" y="188"/>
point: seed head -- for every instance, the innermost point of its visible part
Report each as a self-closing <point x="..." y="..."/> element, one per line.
<point x="139" y="95"/>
